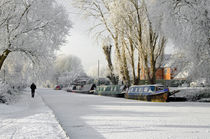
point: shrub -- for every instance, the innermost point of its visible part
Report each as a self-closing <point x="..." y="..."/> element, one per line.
<point x="7" y="93"/>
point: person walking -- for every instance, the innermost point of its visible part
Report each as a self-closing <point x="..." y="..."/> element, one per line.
<point x="33" y="87"/>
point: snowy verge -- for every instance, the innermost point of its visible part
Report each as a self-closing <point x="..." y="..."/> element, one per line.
<point x="29" y="118"/>
<point x="7" y="94"/>
<point x="200" y="94"/>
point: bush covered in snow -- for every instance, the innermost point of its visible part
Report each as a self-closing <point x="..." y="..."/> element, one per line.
<point x="7" y="93"/>
<point x="201" y="94"/>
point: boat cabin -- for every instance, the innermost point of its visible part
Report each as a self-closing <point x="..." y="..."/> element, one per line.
<point x="110" y="90"/>
<point x="147" y="89"/>
<point x="157" y="93"/>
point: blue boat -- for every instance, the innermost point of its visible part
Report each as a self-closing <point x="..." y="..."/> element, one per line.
<point x="154" y="93"/>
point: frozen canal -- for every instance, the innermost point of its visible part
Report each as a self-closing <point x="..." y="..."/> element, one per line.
<point x="96" y="117"/>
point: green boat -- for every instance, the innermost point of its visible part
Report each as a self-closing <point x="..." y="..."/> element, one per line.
<point x="110" y="90"/>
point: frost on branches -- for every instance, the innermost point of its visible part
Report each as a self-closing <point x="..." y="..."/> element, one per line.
<point x="7" y="92"/>
<point x="67" y="69"/>
<point x="187" y="23"/>
<point x="36" y="28"/>
<point x="138" y="47"/>
<point x="30" y="33"/>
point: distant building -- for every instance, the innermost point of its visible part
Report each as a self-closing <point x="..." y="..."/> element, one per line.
<point x="163" y="73"/>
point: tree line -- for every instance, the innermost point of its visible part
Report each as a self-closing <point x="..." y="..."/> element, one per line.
<point x="138" y="30"/>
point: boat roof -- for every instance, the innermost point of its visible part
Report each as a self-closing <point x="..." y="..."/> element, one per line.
<point x="147" y="85"/>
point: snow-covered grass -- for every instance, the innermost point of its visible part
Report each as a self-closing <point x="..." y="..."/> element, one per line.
<point x="201" y="94"/>
<point x="29" y="118"/>
<point x="7" y="94"/>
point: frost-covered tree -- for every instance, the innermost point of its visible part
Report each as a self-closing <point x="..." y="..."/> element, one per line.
<point x="19" y="72"/>
<point x="15" y="71"/>
<point x="140" y="34"/>
<point x="128" y="23"/>
<point x="67" y="69"/>
<point x="34" y="28"/>
<point x="187" y="23"/>
<point x="101" y="12"/>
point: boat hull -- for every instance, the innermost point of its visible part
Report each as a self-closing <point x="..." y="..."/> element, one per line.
<point x="86" y="89"/>
<point x="109" y="94"/>
<point x="160" y="97"/>
<point x="82" y="91"/>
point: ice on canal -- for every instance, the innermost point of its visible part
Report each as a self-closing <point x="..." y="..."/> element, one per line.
<point x="91" y="116"/>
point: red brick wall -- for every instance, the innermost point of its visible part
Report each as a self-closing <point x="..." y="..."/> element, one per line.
<point x="161" y="73"/>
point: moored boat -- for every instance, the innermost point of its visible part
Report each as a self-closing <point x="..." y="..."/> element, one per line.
<point x="110" y="90"/>
<point x="154" y="93"/>
<point x="86" y="89"/>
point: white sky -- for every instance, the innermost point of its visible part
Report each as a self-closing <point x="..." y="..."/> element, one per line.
<point x="80" y="43"/>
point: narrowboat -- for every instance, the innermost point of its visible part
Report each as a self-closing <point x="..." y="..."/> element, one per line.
<point x="86" y="89"/>
<point x="154" y="93"/>
<point x="110" y="90"/>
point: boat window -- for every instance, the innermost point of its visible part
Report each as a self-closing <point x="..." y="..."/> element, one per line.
<point x="117" y="88"/>
<point x="141" y="89"/>
<point x="146" y="89"/>
<point x="137" y="89"/>
<point x="152" y="88"/>
<point x="108" y="89"/>
<point x="130" y="90"/>
<point x="160" y="88"/>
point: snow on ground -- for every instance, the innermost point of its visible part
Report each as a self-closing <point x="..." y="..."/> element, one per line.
<point x="97" y="117"/>
<point x="29" y="118"/>
<point x="201" y="94"/>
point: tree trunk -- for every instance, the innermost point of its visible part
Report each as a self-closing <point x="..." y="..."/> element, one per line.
<point x="125" y="67"/>
<point x="3" y="57"/>
<point x="152" y="69"/>
<point x="111" y="76"/>
<point x="119" y="59"/>
<point x="132" y="61"/>
<point x="137" y="80"/>
<point x="147" y="68"/>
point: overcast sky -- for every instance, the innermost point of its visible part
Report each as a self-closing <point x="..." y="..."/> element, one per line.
<point x="80" y="43"/>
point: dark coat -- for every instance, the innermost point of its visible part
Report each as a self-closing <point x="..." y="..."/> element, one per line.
<point x="33" y="86"/>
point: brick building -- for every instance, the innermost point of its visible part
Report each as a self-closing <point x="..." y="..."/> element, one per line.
<point x="163" y="73"/>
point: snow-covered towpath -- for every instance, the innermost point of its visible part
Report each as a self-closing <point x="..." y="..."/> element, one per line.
<point x="29" y="118"/>
<point x="97" y="117"/>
